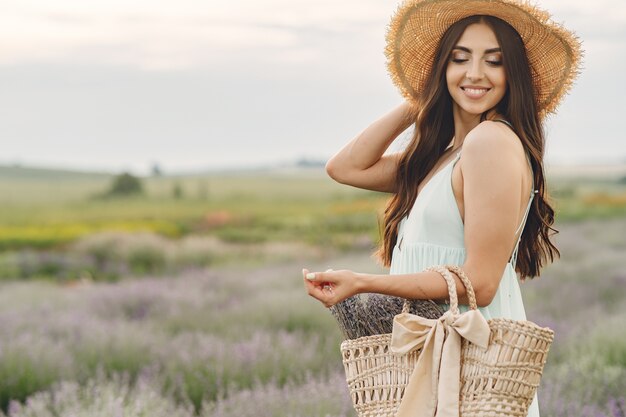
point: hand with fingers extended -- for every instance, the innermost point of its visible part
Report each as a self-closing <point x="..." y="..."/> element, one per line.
<point x="331" y="287"/>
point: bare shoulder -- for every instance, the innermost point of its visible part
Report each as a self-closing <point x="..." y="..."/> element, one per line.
<point x="492" y="149"/>
<point x="492" y="139"/>
<point x="495" y="145"/>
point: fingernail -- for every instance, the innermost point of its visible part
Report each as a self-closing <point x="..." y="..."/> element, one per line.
<point x="310" y="276"/>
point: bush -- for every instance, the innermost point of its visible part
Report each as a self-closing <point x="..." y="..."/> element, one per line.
<point x="177" y="191"/>
<point x="147" y="260"/>
<point x="125" y="184"/>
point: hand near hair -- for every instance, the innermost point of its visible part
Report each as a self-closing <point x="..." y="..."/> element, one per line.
<point x="331" y="287"/>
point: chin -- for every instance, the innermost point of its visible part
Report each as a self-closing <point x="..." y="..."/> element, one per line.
<point x="476" y="109"/>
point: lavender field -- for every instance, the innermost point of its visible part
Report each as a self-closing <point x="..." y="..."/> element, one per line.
<point x="245" y="340"/>
<point x="193" y="304"/>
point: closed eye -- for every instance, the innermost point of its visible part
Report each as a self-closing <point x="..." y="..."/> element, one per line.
<point x="460" y="61"/>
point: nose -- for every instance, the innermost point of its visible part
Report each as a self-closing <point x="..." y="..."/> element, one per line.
<point x="475" y="71"/>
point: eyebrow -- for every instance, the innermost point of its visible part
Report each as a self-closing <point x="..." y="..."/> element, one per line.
<point x="487" y="51"/>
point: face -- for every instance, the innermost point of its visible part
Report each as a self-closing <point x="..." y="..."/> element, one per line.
<point x="475" y="75"/>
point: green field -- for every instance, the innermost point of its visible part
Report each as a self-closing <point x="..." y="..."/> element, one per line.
<point x="45" y="209"/>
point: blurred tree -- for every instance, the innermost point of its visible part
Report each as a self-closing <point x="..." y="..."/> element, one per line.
<point x="177" y="191"/>
<point x="125" y="184"/>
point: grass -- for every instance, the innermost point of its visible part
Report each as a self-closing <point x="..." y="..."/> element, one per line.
<point x="243" y="208"/>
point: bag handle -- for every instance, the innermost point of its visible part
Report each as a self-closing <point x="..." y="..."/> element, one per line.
<point x="447" y="276"/>
<point x="469" y="289"/>
<point x="444" y="270"/>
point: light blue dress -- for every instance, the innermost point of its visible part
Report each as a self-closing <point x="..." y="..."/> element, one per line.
<point x="433" y="234"/>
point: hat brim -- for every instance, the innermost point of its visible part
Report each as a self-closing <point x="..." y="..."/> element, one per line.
<point x="413" y="35"/>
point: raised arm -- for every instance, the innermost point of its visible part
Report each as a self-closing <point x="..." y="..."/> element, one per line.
<point x="361" y="162"/>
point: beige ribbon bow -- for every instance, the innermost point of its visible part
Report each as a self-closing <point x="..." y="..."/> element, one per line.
<point x="434" y="385"/>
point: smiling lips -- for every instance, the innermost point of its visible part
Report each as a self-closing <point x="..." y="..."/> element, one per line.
<point x="475" y="92"/>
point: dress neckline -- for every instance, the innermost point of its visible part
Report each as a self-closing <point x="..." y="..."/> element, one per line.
<point x="446" y="165"/>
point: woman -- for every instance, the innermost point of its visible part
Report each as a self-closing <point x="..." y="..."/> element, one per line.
<point x="479" y="78"/>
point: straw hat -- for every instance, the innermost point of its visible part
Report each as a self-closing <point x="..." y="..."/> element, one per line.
<point x="417" y="26"/>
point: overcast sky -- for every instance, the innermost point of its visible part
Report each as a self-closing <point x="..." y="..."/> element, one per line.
<point x="190" y="84"/>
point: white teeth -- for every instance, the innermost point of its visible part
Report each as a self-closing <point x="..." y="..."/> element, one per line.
<point x="475" y="91"/>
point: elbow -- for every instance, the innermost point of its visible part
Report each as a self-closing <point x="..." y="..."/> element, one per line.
<point x="334" y="171"/>
<point x="485" y="282"/>
<point x="485" y="294"/>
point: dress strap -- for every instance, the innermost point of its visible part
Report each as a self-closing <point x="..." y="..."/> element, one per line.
<point x="519" y="230"/>
<point x="505" y="122"/>
<point x="513" y="259"/>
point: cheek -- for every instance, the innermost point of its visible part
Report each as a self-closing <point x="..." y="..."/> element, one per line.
<point x="500" y="78"/>
<point x="449" y="83"/>
<point x="503" y="87"/>
<point x="452" y="77"/>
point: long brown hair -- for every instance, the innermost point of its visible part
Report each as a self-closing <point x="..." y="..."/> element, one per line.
<point x="434" y="130"/>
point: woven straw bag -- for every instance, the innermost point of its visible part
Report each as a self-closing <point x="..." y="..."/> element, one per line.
<point x="498" y="379"/>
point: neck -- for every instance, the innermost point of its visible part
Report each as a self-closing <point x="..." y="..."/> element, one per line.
<point x="464" y="122"/>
